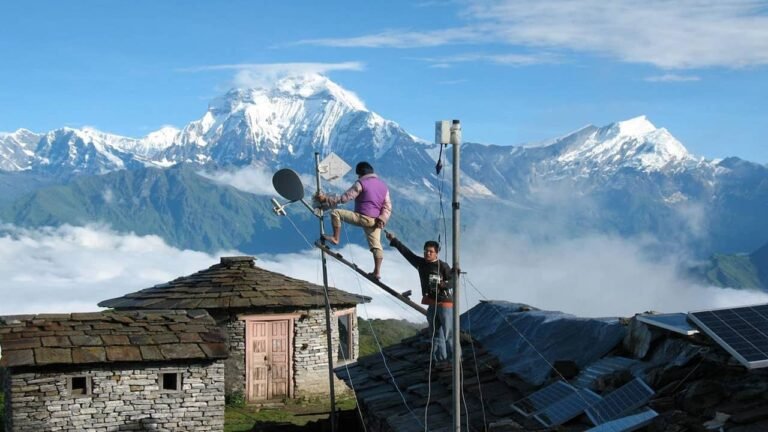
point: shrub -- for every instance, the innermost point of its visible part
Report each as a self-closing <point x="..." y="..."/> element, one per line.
<point x="235" y="399"/>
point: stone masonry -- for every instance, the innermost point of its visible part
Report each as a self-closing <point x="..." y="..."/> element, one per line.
<point x="235" y="288"/>
<point x="311" y="356"/>
<point x="113" y="371"/>
<point x="127" y="398"/>
<point x="310" y="360"/>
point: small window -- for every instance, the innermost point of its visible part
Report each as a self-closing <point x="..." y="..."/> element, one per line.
<point x="346" y="351"/>
<point x="170" y="381"/>
<point x="80" y="385"/>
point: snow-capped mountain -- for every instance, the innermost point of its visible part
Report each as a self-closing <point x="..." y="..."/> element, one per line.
<point x="294" y="118"/>
<point x="83" y="151"/>
<point x="17" y="150"/>
<point x="300" y="115"/>
<point x="628" y="177"/>
<point x="634" y="143"/>
<point x="288" y="121"/>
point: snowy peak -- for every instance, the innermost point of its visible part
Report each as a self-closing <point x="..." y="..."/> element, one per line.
<point x="16" y="150"/>
<point x="635" y="143"/>
<point x="291" y="88"/>
<point x="634" y="127"/>
<point x="293" y="116"/>
<point x="311" y="86"/>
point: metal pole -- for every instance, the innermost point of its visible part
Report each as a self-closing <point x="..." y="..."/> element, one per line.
<point x="332" y="417"/>
<point x="456" y="141"/>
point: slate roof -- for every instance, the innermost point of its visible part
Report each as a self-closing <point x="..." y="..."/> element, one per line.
<point x="108" y="337"/>
<point x="235" y="282"/>
<point x="697" y="384"/>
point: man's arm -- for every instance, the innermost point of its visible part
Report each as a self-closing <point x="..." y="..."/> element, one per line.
<point x="411" y="257"/>
<point x="350" y="194"/>
<point x="386" y="210"/>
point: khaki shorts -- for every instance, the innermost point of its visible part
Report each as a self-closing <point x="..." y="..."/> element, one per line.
<point x="372" y="234"/>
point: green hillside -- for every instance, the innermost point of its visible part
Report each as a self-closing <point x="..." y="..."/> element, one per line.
<point x="388" y="332"/>
<point x="184" y="208"/>
<point x="737" y="271"/>
<point x="188" y="211"/>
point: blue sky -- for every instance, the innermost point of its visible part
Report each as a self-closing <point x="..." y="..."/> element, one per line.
<point x="512" y="71"/>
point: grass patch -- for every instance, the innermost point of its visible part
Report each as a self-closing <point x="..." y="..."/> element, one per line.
<point x="296" y="412"/>
<point x="388" y="332"/>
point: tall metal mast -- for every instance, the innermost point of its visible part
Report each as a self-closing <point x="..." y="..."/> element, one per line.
<point x="456" y="141"/>
<point x="329" y="335"/>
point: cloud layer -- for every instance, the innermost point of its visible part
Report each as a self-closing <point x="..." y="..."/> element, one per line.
<point x="71" y="269"/>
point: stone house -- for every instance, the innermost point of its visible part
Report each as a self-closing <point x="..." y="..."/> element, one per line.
<point x="275" y="325"/>
<point x="107" y="371"/>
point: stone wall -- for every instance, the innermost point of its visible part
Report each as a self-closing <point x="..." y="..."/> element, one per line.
<point x="310" y="367"/>
<point x="127" y="398"/>
<point x="235" y="364"/>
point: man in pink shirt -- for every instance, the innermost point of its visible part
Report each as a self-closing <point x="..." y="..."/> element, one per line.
<point x="372" y="210"/>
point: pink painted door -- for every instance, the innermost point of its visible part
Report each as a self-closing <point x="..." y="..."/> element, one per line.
<point x="278" y="380"/>
<point x="269" y="360"/>
<point x="259" y="361"/>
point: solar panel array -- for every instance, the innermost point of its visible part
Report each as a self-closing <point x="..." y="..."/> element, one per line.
<point x="628" y="423"/>
<point x="567" y="408"/>
<point x="602" y="367"/>
<point x="742" y="331"/>
<point x="676" y="322"/>
<point x="542" y="398"/>
<point x="621" y="401"/>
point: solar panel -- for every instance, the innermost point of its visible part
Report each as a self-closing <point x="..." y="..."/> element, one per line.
<point x="742" y="331"/>
<point x="675" y="322"/>
<point x="628" y="423"/>
<point x="601" y="367"/>
<point x="624" y="399"/>
<point x="542" y="398"/>
<point x="567" y="408"/>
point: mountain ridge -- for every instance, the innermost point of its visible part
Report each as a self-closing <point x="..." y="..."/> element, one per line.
<point x="626" y="178"/>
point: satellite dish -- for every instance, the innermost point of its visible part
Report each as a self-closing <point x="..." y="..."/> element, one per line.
<point x="288" y="184"/>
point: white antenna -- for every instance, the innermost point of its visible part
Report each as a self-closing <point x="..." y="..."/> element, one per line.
<point x="333" y="167"/>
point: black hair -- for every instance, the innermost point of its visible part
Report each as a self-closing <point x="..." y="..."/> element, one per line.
<point x="363" y="168"/>
<point x="432" y="244"/>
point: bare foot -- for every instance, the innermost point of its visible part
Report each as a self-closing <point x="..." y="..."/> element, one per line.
<point x="331" y="239"/>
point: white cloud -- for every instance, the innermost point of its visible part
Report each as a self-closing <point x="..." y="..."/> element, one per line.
<point x="595" y="275"/>
<point x="108" y="195"/>
<point x="679" y="34"/>
<point x="672" y="35"/>
<point x="255" y="179"/>
<point x="503" y="59"/>
<point x="71" y="269"/>
<point x="402" y="39"/>
<point x="672" y="78"/>
<point x="252" y="75"/>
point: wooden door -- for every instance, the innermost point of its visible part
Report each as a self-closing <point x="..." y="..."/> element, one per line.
<point x="259" y="361"/>
<point x="268" y="359"/>
<point x="278" y="379"/>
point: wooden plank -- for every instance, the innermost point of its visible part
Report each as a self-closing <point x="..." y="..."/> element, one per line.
<point x="370" y="278"/>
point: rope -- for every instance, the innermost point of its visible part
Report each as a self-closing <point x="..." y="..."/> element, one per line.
<point x="477" y="371"/>
<point x="429" y="371"/>
<point x="299" y="231"/>
<point x="378" y="344"/>
<point x="346" y="367"/>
